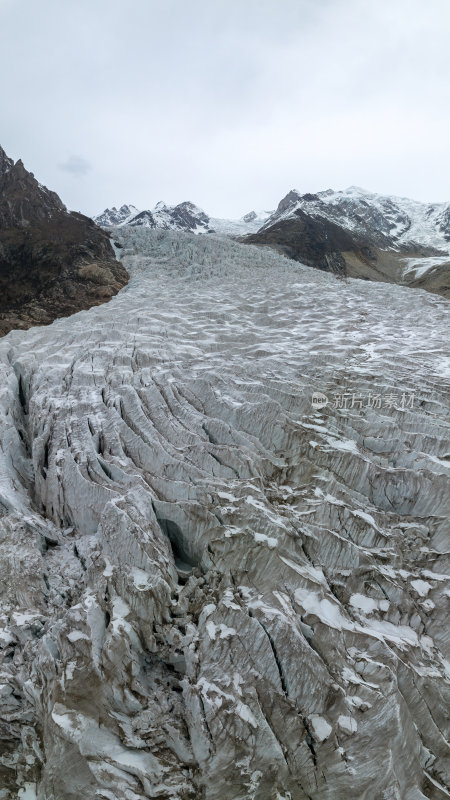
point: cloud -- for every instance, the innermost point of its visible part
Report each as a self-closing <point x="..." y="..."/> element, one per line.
<point x="227" y="103"/>
<point x="76" y="165"/>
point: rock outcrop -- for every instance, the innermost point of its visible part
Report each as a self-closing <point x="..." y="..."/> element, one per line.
<point x="52" y="262"/>
<point x="210" y="585"/>
<point x="315" y="242"/>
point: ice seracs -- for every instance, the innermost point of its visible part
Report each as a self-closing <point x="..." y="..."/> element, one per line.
<point x="208" y="588"/>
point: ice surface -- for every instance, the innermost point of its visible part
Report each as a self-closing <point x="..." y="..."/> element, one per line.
<point x="192" y="596"/>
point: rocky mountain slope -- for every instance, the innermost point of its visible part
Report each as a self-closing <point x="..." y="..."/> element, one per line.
<point x="382" y="221"/>
<point x="116" y="216"/>
<point x="52" y="262"/>
<point x="182" y="217"/>
<point x="210" y="585"/>
<point x="364" y="235"/>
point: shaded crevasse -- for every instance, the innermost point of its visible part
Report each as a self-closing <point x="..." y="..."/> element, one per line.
<point x="209" y="588"/>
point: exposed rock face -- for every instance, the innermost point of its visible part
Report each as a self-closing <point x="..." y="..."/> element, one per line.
<point x="315" y="242"/>
<point x="52" y="262"/>
<point x="209" y="587"/>
<point x="374" y="237"/>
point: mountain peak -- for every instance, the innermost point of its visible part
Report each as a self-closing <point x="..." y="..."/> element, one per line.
<point x="357" y="190"/>
<point x="185" y="216"/>
<point x="289" y="200"/>
<point x="23" y="200"/>
<point x="5" y="162"/>
<point x="52" y="262"/>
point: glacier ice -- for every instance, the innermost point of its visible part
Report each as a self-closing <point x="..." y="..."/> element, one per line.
<point x="208" y="587"/>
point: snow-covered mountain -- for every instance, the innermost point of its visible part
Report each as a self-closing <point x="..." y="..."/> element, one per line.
<point x="116" y="216"/>
<point x="185" y="216"/>
<point x="212" y="586"/>
<point x="182" y="217"/>
<point x="388" y="222"/>
<point x="364" y="235"/>
<point x="351" y="232"/>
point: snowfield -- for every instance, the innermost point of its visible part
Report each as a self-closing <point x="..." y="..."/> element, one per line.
<point x="210" y="588"/>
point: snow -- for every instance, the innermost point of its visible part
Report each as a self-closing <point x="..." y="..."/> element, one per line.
<point x="28" y="792"/>
<point x="321" y="728"/>
<point x="141" y="579"/>
<point x="245" y="714"/>
<point x="327" y="611"/>
<point x="66" y="721"/>
<point x="239" y="227"/>
<point x="420" y="266"/>
<point x="368" y="604"/>
<point x="349" y="676"/>
<point x="207" y="687"/>
<point x="20" y="618"/>
<point x="354" y="701"/>
<point x="211" y="629"/>
<point x="206" y="612"/>
<point x="347" y="724"/>
<point x="261" y="538"/>
<point x="398" y="634"/>
<point x="435" y="576"/>
<point x="421" y="587"/>
<point x="6" y="638"/>
<point x="121" y="609"/>
<point x="225" y="632"/>
<point x="347" y="445"/>
<point x="366" y="517"/>
<point x="70" y="669"/>
<point x="76" y="636"/>
<point x="330" y="613"/>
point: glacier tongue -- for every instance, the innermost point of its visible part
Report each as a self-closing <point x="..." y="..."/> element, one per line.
<point x="210" y="588"/>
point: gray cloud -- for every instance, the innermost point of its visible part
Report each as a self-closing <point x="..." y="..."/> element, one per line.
<point x="76" y="165"/>
<point x="229" y="103"/>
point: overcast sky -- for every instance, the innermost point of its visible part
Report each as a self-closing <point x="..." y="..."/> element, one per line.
<point x="228" y="103"/>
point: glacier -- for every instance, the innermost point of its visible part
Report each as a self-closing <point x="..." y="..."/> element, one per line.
<point x="209" y="587"/>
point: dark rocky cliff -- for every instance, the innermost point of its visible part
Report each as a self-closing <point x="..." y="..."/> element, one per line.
<point x="52" y="262"/>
